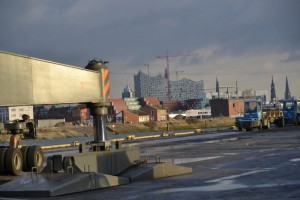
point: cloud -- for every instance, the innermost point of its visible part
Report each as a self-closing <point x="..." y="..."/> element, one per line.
<point x="229" y="36"/>
<point x="292" y="57"/>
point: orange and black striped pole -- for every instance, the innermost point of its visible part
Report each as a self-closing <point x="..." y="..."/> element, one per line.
<point x="105" y="84"/>
<point x="99" y="110"/>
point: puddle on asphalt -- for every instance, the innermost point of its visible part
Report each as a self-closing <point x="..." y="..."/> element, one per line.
<point x="189" y="160"/>
<point x="237" y="176"/>
<point x="225" y="183"/>
<point x="295" y="160"/>
<point x="264" y="150"/>
<point x="230" y="154"/>
<point x="212" y="141"/>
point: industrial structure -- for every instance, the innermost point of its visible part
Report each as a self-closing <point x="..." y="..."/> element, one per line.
<point x="32" y="81"/>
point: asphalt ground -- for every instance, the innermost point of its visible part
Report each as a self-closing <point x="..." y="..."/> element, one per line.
<point x="247" y="165"/>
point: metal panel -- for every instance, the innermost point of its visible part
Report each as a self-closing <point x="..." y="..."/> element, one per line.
<point x="30" y="81"/>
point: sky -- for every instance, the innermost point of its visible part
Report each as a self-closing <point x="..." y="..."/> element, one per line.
<point x="247" y="41"/>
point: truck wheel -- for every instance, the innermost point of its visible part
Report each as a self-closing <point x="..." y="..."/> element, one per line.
<point x="248" y="129"/>
<point x="35" y="158"/>
<point x="24" y="151"/>
<point x="280" y="122"/>
<point x="268" y="125"/>
<point x="260" y="126"/>
<point x="2" y="161"/>
<point x="240" y="128"/>
<point x="295" y="122"/>
<point x="283" y="123"/>
<point x="14" y="161"/>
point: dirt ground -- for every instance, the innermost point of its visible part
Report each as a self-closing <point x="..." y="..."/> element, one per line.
<point x="69" y="131"/>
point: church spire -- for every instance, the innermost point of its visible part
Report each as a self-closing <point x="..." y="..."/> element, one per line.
<point x="287" y="94"/>
<point x="273" y="93"/>
<point x="217" y="87"/>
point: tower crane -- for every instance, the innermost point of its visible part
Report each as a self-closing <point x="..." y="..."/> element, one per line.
<point x="148" y="66"/>
<point x="167" y="70"/>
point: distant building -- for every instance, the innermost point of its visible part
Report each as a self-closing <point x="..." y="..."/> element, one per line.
<point x="128" y="93"/>
<point x="227" y="107"/>
<point x="3" y="114"/>
<point x="149" y="101"/>
<point x="157" y="113"/>
<point x="198" y="113"/>
<point x="172" y="105"/>
<point x="273" y="92"/>
<point x="217" y="86"/>
<point x="134" y="116"/>
<point x="287" y="94"/>
<point x="80" y="114"/>
<point x="262" y="95"/>
<point x="62" y="111"/>
<point x="15" y="113"/>
<point x="157" y="86"/>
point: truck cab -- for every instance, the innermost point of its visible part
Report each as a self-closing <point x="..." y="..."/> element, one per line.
<point x="290" y="112"/>
<point x="252" y="116"/>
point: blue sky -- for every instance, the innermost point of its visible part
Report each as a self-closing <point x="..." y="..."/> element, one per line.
<point x="235" y="40"/>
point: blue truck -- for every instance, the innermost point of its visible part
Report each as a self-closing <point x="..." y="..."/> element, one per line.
<point x="291" y="112"/>
<point x="257" y="117"/>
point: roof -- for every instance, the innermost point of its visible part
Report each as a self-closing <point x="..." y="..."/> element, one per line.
<point x="157" y="107"/>
<point x="137" y="112"/>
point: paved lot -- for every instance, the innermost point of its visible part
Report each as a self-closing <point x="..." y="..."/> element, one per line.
<point x="251" y="165"/>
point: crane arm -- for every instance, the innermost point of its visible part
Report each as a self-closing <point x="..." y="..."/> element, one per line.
<point x="30" y="81"/>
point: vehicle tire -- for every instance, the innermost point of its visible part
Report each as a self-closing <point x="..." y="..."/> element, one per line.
<point x="35" y="158"/>
<point x="14" y="161"/>
<point x="2" y="161"/>
<point x="24" y="151"/>
<point x="260" y="126"/>
<point x="248" y="129"/>
<point x="283" y="123"/>
<point x="268" y="125"/>
<point x="280" y="122"/>
<point x="240" y="128"/>
<point x="32" y="132"/>
<point x="296" y="122"/>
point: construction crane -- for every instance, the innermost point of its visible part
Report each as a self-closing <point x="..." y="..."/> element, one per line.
<point x="227" y="90"/>
<point x="148" y="66"/>
<point x="177" y="72"/>
<point x="167" y="70"/>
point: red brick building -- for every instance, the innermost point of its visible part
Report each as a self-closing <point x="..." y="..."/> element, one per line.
<point x="149" y="101"/>
<point x="135" y="116"/>
<point x="81" y="114"/>
<point x="172" y="105"/>
<point x="157" y="113"/>
<point x="227" y="107"/>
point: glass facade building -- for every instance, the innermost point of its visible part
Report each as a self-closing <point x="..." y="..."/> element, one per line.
<point x="157" y="86"/>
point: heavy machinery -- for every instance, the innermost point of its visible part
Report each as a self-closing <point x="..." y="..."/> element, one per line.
<point x="31" y="81"/>
<point x="24" y="128"/>
<point x="257" y="117"/>
<point x="291" y="113"/>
